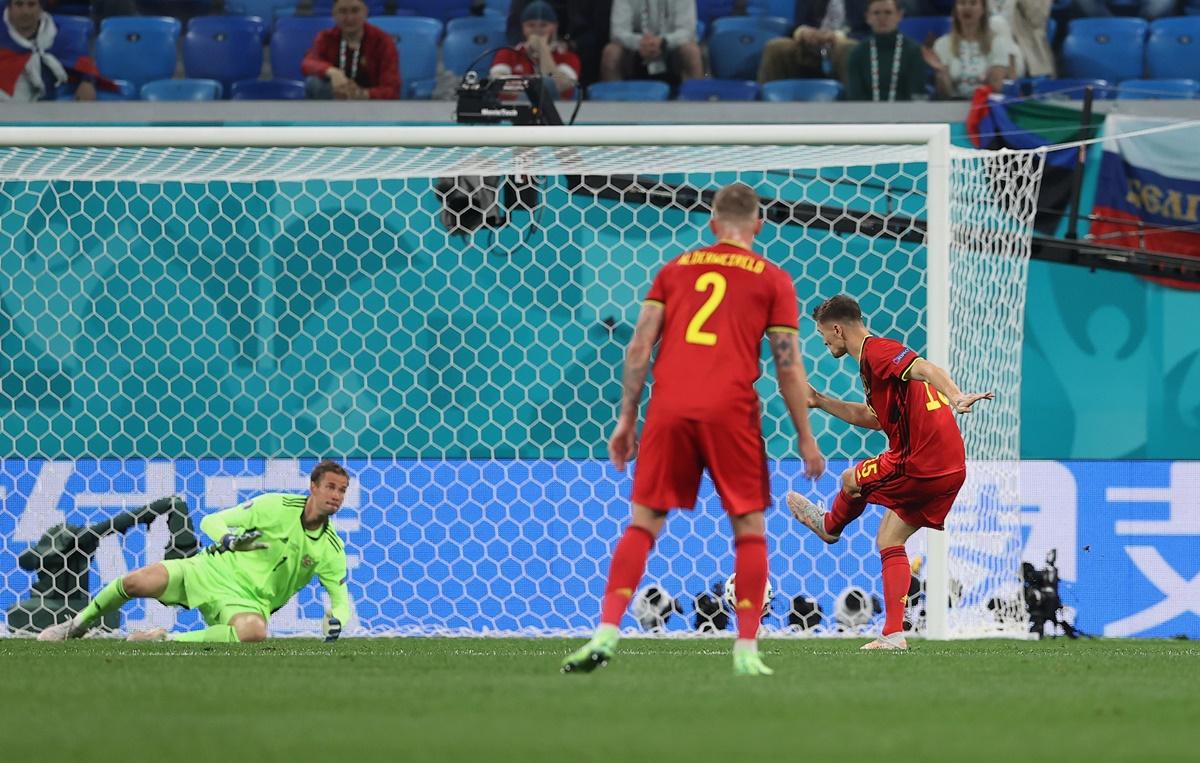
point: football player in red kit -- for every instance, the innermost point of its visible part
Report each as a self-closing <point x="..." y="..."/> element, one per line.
<point x="918" y="477"/>
<point x="708" y="311"/>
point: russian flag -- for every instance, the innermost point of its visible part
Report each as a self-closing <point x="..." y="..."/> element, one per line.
<point x="1151" y="180"/>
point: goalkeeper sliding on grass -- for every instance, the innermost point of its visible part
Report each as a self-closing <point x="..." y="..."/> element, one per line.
<point x="264" y="551"/>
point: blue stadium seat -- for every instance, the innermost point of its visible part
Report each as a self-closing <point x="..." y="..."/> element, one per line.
<point x="472" y="24"/>
<point x="394" y="25"/>
<point x="500" y="6"/>
<point x="630" y="90"/>
<point x="126" y="91"/>
<point x="267" y="10"/>
<point x="1073" y="89"/>
<point x="268" y="90"/>
<point x="227" y="49"/>
<point x="78" y="31"/>
<point x="920" y="28"/>
<point x="443" y="10"/>
<point x="1021" y="87"/>
<point x="1173" y="49"/>
<point x="701" y="30"/>
<point x="775" y="25"/>
<point x="292" y="38"/>
<point x="1158" y="89"/>
<point x="417" y="46"/>
<point x="708" y="10"/>
<point x="325" y="8"/>
<point x="802" y="90"/>
<point x="718" y="90"/>
<point x="182" y="90"/>
<point x="466" y="49"/>
<point x="138" y="49"/>
<point x="1104" y="48"/>
<point x="736" y="54"/>
<point x="785" y="9"/>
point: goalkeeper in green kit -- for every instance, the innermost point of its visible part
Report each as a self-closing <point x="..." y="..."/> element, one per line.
<point x="264" y="551"/>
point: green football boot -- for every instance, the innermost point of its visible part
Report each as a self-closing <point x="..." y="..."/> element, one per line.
<point x="594" y="654"/>
<point x="748" y="663"/>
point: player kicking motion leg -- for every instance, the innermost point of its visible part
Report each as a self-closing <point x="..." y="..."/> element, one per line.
<point x="919" y="476"/>
<point x="710" y="308"/>
<point x="264" y="551"/>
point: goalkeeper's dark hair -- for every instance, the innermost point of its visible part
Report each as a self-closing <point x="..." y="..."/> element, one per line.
<point x="325" y="467"/>
<point x="839" y="309"/>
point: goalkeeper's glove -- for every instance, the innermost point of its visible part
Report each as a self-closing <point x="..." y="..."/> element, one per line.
<point x="331" y="627"/>
<point x="248" y="541"/>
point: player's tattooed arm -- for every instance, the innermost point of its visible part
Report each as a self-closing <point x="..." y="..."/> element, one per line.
<point x="783" y="349"/>
<point x="637" y="358"/>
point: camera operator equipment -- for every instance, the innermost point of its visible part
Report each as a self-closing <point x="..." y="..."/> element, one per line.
<point x="1042" y="599"/>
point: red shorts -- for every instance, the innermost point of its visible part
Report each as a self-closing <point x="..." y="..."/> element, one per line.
<point x="675" y="451"/>
<point x="919" y="501"/>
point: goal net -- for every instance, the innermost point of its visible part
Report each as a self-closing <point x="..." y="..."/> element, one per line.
<point x="206" y="313"/>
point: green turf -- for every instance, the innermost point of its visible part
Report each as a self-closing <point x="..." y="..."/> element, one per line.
<point x="504" y="699"/>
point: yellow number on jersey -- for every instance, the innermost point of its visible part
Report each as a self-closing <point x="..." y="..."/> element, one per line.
<point x="934" y="403"/>
<point x="695" y="332"/>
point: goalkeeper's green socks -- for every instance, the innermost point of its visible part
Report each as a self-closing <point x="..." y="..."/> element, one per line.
<point x="746" y="661"/>
<point x="213" y="634"/>
<point x="595" y="653"/>
<point x="111" y="598"/>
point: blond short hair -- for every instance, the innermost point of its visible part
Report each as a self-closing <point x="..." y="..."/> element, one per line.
<point x="736" y="203"/>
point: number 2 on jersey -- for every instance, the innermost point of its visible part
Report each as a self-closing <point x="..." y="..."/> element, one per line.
<point x="695" y="330"/>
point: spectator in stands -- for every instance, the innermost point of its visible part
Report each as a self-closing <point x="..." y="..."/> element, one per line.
<point x="652" y="39"/>
<point x="1147" y="9"/>
<point x="33" y="64"/>
<point x="972" y="54"/>
<point x="354" y="60"/>
<point x="1025" y="21"/>
<point x="821" y="43"/>
<point x="886" y="66"/>
<point x="541" y="49"/>
<point x="582" y="24"/>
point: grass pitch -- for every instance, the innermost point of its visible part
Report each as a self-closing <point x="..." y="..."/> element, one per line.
<point x="504" y="700"/>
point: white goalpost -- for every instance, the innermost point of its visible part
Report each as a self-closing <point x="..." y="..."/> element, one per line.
<point x="445" y="309"/>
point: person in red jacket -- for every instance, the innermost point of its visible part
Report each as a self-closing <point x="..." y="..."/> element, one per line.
<point x="353" y="60"/>
<point x="34" y="61"/>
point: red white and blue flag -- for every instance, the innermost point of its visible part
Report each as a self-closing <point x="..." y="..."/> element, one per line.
<point x="1148" y="192"/>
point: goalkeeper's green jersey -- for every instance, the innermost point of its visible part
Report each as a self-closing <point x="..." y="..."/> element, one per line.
<point x="293" y="556"/>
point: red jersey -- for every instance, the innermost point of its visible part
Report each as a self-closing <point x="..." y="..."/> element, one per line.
<point x="374" y="66"/>
<point x="718" y="303"/>
<point x="923" y="437"/>
<point x="510" y="61"/>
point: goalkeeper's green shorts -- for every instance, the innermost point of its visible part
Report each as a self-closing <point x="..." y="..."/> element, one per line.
<point x="194" y="584"/>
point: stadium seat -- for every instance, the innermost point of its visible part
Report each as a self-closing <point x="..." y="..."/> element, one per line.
<point x="472" y="24"/>
<point x="1073" y="89"/>
<point x="1157" y="89"/>
<point x="1104" y="48"/>
<point x="394" y="25"/>
<point x="443" y="10"/>
<point x="293" y="37"/>
<point x="709" y="10"/>
<point x="267" y="90"/>
<point x="467" y="49"/>
<point x="79" y="29"/>
<point x="1021" y="87"/>
<point x="718" y="90"/>
<point x="630" y="90"/>
<point x="138" y="49"/>
<point x="325" y="8"/>
<point x="417" y="45"/>
<point x="1173" y="49"/>
<point x="182" y="90"/>
<point x="267" y="10"/>
<point x="501" y="7"/>
<point x="802" y="90"/>
<point x="227" y="49"/>
<point x="775" y="25"/>
<point x="735" y="54"/>
<point x="920" y="28"/>
<point x="784" y="9"/>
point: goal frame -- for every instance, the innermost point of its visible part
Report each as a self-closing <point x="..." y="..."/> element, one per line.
<point x="935" y="138"/>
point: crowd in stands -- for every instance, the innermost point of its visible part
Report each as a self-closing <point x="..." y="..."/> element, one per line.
<point x="867" y="50"/>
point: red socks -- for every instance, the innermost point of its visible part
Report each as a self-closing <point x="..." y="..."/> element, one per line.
<point x="896" y="579"/>
<point x="845" y="510"/>
<point x="628" y="564"/>
<point x="750" y="566"/>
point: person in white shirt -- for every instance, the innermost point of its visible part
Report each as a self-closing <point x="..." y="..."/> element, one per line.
<point x="972" y="54"/>
<point x="652" y="39"/>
